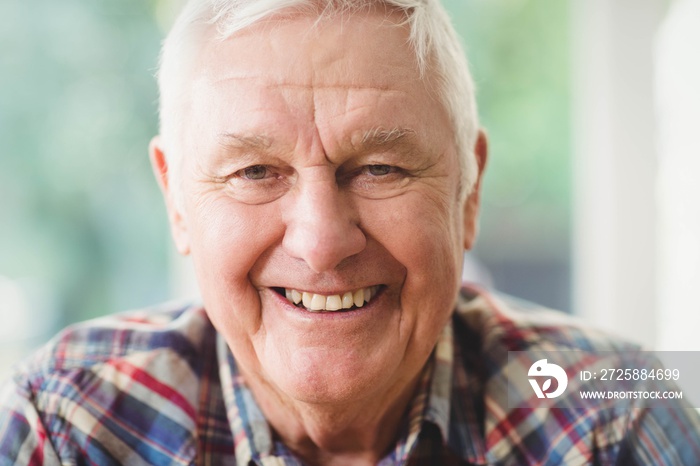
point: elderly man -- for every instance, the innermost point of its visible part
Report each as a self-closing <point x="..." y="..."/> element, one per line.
<point x="321" y="163"/>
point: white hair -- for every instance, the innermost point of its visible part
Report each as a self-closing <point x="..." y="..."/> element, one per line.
<point x="437" y="48"/>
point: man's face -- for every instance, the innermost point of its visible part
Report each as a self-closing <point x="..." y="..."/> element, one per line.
<point x="316" y="161"/>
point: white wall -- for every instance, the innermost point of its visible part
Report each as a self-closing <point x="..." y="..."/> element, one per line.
<point x="636" y="166"/>
<point x="677" y="59"/>
<point x="615" y="164"/>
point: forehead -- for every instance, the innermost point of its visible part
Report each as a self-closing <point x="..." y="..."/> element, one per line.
<point x="307" y="50"/>
<point x="337" y="73"/>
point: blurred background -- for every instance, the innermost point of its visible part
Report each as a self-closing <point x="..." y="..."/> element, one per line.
<point x="590" y="200"/>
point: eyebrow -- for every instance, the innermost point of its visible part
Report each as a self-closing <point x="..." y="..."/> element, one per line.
<point x="374" y="139"/>
<point x="239" y="141"/>
<point x="382" y="138"/>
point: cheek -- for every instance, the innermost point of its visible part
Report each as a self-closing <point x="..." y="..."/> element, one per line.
<point x="424" y="238"/>
<point x="227" y="239"/>
<point x="423" y="233"/>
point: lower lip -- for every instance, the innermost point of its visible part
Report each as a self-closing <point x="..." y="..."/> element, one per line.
<point x="369" y="308"/>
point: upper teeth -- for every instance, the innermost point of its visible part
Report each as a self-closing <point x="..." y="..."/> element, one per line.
<point x="318" y="302"/>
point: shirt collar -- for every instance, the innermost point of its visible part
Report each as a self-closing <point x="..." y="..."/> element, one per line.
<point x="438" y="407"/>
<point x="251" y="433"/>
<point x="455" y="401"/>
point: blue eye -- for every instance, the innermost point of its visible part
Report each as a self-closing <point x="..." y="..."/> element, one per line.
<point x="256" y="172"/>
<point x="379" y="170"/>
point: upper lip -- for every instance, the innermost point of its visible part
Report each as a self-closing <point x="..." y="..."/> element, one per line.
<point x="327" y="291"/>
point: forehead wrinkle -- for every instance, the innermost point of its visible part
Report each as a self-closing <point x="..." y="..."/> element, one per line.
<point x="271" y="83"/>
<point x="316" y="86"/>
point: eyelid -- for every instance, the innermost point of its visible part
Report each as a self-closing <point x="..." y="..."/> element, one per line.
<point x="252" y="191"/>
<point x="363" y="171"/>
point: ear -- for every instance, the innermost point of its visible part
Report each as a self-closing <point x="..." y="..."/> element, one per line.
<point x="178" y="226"/>
<point x="471" y="204"/>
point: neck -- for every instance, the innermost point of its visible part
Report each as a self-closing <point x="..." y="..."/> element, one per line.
<point x="357" y="433"/>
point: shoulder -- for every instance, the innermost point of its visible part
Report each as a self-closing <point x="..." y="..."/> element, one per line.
<point x="501" y="338"/>
<point x="134" y="340"/>
<point x="505" y="323"/>
<point x="504" y="337"/>
<point x="116" y="385"/>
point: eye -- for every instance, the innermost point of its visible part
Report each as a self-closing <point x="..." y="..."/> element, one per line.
<point x="379" y="170"/>
<point x="259" y="184"/>
<point x="375" y="180"/>
<point x="256" y="172"/>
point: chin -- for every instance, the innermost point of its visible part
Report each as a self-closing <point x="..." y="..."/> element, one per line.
<point x="312" y="378"/>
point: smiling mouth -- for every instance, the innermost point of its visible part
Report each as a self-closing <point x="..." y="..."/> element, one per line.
<point x="315" y="302"/>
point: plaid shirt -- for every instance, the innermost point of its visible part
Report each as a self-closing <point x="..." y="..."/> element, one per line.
<point x="161" y="387"/>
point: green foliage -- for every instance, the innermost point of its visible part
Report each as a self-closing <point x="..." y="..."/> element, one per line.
<point x="80" y="210"/>
<point x="519" y="54"/>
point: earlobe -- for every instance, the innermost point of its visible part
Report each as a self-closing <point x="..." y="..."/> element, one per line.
<point x="471" y="203"/>
<point x="178" y="227"/>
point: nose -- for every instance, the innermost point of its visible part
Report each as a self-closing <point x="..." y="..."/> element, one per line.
<point x="322" y="226"/>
